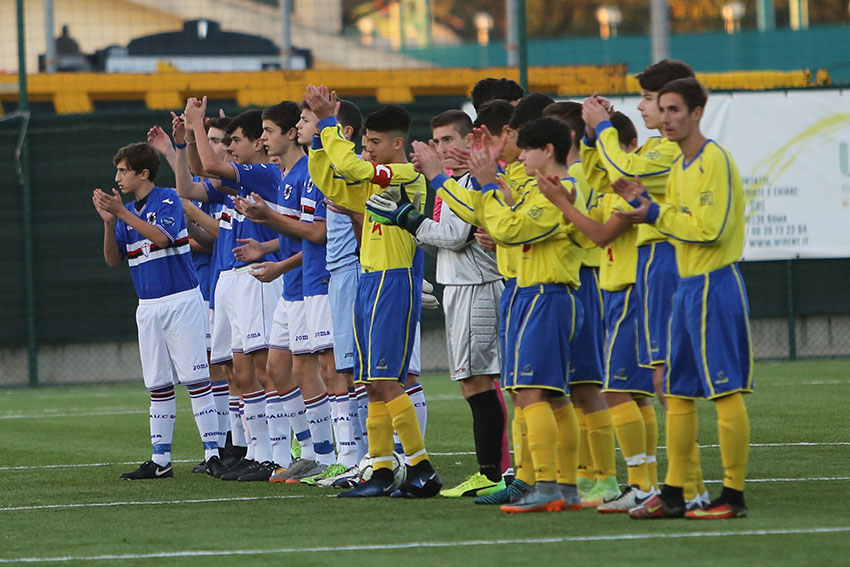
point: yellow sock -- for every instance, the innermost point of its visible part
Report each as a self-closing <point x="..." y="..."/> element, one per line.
<point x="698" y="466"/>
<point x="650" y="423"/>
<point x="379" y="424"/>
<point x="542" y="440"/>
<point x="567" y="444"/>
<point x="694" y="485"/>
<point x="681" y="435"/>
<point x="522" y="456"/>
<point x="631" y="434"/>
<point x="585" y="458"/>
<point x="406" y="425"/>
<point x="600" y="437"/>
<point x="733" y="432"/>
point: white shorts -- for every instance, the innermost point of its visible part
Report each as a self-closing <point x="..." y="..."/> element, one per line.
<point x="288" y="328"/>
<point x="209" y="313"/>
<point x="342" y="290"/>
<point x="171" y="339"/>
<point x="254" y="305"/>
<point x="320" y="328"/>
<point x="223" y="313"/>
<point x="416" y="356"/>
<point x="472" y="329"/>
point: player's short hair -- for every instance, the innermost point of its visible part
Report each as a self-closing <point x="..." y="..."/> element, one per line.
<point x="350" y="115"/>
<point x="495" y="115"/>
<point x="490" y="88"/>
<point x="251" y="122"/>
<point x="389" y="119"/>
<point x="529" y="108"/>
<point x="221" y="122"/>
<point x="457" y="118"/>
<point x="542" y="131"/>
<point x="139" y="156"/>
<point x="654" y="77"/>
<point x="626" y="131"/>
<point x="692" y="92"/>
<point x="284" y="114"/>
<point x="568" y="112"/>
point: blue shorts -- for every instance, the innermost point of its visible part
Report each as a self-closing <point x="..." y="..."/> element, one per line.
<point x="386" y="312"/>
<point x="342" y="290"/>
<point x="586" y="361"/>
<point x="657" y="281"/>
<point x="711" y="351"/>
<point x="505" y="303"/>
<point x="544" y="323"/>
<point x="622" y="371"/>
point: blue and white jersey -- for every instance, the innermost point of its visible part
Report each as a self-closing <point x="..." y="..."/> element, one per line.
<point x="313" y="208"/>
<point x="289" y="205"/>
<point x="223" y="258"/>
<point x="342" y="243"/>
<point x="203" y="260"/>
<point x="158" y="272"/>
<point x="263" y="179"/>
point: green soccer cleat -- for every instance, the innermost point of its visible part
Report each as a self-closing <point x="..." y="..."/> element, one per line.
<point x="606" y="489"/>
<point x="332" y="470"/>
<point x="510" y="493"/>
<point x="475" y="485"/>
<point x="584" y="485"/>
<point x="295" y="449"/>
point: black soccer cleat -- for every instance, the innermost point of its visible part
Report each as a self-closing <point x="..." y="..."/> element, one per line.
<point x="422" y="481"/>
<point x="200" y="468"/>
<point x="149" y="469"/>
<point x="238" y="469"/>
<point x="259" y="472"/>
<point x="214" y="467"/>
<point x="379" y="485"/>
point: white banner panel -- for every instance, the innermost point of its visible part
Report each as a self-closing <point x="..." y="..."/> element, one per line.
<point x="793" y="151"/>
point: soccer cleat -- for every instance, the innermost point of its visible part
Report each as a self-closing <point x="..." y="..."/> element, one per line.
<point x="349" y="479"/>
<point x="379" y="485"/>
<point x="295" y="468"/>
<point x="511" y="493"/>
<point x="422" y="481"/>
<point x="149" y="469"/>
<point x="475" y="485"/>
<point x="200" y="467"/>
<point x="606" y="489"/>
<point x="538" y="499"/>
<point x="656" y="508"/>
<point x="237" y="470"/>
<point x="631" y="498"/>
<point x="331" y="480"/>
<point x="259" y="472"/>
<point x="331" y="471"/>
<point x="278" y="475"/>
<point x="585" y="486"/>
<point x="295" y="449"/>
<point x="717" y="510"/>
<point x="699" y="501"/>
<point x="571" y="498"/>
<point x="233" y="455"/>
<point x="310" y="468"/>
<point x="214" y="467"/>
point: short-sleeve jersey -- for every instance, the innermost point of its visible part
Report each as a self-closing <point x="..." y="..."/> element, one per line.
<point x="203" y="261"/>
<point x="223" y="258"/>
<point x="158" y="272"/>
<point x="263" y="179"/>
<point x="312" y="209"/>
<point x="289" y="205"/>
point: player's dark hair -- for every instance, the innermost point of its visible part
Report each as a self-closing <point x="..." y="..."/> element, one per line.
<point x="568" y="112"/>
<point x="139" y="156"/>
<point x="626" y="131"/>
<point x="251" y="122"/>
<point x="495" y="115"/>
<point x="457" y="118"/>
<point x="490" y="88"/>
<point x="221" y="122"/>
<point x="529" y="108"/>
<point x="542" y="131"/>
<point x="350" y="115"/>
<point x="654" y="77"/>
<point x="389" y="119"/>
<point x="692" y="92"/>
<point x="284" y="114"/>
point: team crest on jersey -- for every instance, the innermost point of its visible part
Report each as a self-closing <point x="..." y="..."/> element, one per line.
<point x="287" y="191"/>
<point x="706" y="198"/>
<point x="535" y="212"/>
<point x="151" y="217"/>
<point x="146" y="249"/>
<point x="652" y="154"/>
<point x="168" y="222"/>
<point x="309" y="186"/>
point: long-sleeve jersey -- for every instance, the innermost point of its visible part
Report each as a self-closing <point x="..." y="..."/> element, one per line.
<point x="651" y="162"/>
<point x="618" y="260"/>
<point x="704" y="214"/>
<point x="591" y="252"/>
<point x="382" y="247"/>
<point x="460" y="259"/>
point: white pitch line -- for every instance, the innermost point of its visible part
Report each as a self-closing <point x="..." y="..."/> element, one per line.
<point x="428" y="545"/>
<point x="117" y="411"/>
<point x="151" y="503"/>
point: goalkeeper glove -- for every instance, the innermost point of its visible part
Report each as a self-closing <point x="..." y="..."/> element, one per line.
<point x="387" y="209"/>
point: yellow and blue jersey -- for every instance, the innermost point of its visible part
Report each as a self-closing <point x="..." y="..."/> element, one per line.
<point x="382" y="247"/>
<point x="618" y="260"/>
<point x="704" y="213"/>
<point x="591" y="253"/>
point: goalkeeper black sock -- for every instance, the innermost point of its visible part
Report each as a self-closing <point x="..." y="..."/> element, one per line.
<point x="488" y="422"/>
<point x="673" y="496"/>
<point x="732" y="496"/>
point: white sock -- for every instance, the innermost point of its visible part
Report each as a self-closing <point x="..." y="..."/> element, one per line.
<point x="360" y="448"/>
<point x="255" y="415"/>
<point x="278" y="430"/>
<point x="363" y="412"/>
<point x="346" y="446"/>
<point x="293" y="407"/>
<point x="220" y="398"/>
<point x="163" y="413"/>
<point x="237" y="436"/>
<point x="321" y="428"/>
<point x="206" y="418"/>
<point x="417" y="396"/>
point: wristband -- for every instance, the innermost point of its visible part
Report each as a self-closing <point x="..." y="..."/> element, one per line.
<point x="180" y="146"/>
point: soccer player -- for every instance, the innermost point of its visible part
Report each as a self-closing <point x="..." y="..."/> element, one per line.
<point x="710" y="354"/>
<point x="388" y="294"/>
<point x="471" y="295"/>
<point x="491" y="88"/>
<point x="151" y="233"/>
<point x="243" y="302"/>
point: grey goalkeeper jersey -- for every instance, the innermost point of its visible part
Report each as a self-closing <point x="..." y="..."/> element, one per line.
<point x="460" y="259"/>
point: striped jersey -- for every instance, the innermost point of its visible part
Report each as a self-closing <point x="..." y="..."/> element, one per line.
<point x="289" y="205"/>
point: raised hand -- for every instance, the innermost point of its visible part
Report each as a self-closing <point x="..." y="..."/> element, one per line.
<point x="111" y="204"/>
<point x="485" y="139"/>
<point x="254" y="208"/>
<point x="159" y="140"/>
<point x="593" y="112"/>
<point x="426" y="159"/>
<point x="104" y="214"/>
<point x="483" y="166"/>
<point x="554" y="190"/>
<point x="178" y="128"/>
<point x="638" y="197"/>
<point x="321" y="102"/>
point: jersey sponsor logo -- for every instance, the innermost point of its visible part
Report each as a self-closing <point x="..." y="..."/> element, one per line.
<point x="383" y="175"/>
<point x="377" y="228"/>
<point x="302" y="337"/>
<point x="322" y="333"/>
<point x="382" y="365"/>
<point x="168" y="222"/>
<point x="526" y="247"/>
<point x="253" y="335"/>
<point x="535" y="212"/>
<point x="721" y="378"/>
<point x="621" y="374"/>
<point x="527" y="370"/>
<point x="168" y="201"/>
<point x="200" y="366"/>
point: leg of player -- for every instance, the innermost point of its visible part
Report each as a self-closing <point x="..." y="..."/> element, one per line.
<point x="305" y="369"/>
<point x="650" y="423"/>
<point x="253" y="410"/>
<point x="279" y="369"/>
<point x="602" y="477"/>
<point x="525" y="477"/>
<point x="568" y="449"/>
<point x="163" y="412"/>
